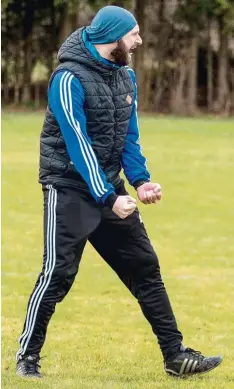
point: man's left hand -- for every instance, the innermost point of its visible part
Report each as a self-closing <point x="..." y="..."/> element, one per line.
<point x="149" y="193"/>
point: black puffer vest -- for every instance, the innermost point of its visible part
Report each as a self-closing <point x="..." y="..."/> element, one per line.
<point x="109" y="95"/>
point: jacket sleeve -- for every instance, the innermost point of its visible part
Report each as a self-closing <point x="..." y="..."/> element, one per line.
<point x="133" y="162"/>
<point x="66" y="100"/>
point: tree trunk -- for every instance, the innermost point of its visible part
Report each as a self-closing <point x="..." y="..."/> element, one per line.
<point x="147" y="105"/>
<point x="26" y="95"/>
<point x="65" y="30"/>
<point x="5" y="85"/>
<point x="74" y="19"/>
<point x="29" y="11"/>
<point x="192" y="77"/>
<point x="5" y="57"/>
<point x="209" y="70"/>
<point x="37" y="95"/>
<point x="222" y="85"/>
<point x="6" y="93"/>
<point x="16" y="95"/>
<point x="177" y="92"/>
<point x="139" y="54"/>
<point x="17" y="73"/>
<point x="53" y="44"/>
<point x="163" y="33"/>
<point x="231" y="77"/>
<point x="5" y="77"/>
<point x="159" y="89"/>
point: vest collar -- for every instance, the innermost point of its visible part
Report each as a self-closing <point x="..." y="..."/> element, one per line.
<point x="92" y="49"/>
<point x="75" y="50"/>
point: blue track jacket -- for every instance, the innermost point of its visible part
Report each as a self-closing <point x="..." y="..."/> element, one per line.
<point x="65" y="88"/>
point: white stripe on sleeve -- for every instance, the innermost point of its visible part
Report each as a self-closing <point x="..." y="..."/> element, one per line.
<point x="66" y="101"/>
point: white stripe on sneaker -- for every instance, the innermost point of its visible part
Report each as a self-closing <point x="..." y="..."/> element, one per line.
<point x="183" y="366"/>
<point x="189" y="364"/>
<point x="194" y="366"/>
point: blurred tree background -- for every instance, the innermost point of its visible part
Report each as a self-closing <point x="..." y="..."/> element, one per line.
<point x="185" y="65"/>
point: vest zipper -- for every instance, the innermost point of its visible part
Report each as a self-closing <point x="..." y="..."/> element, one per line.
<point x="110" y="78"/>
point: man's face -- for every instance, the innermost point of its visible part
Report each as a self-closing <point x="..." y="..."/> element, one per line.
<point x="123" y="52"/>
<point x="132" y="39"/>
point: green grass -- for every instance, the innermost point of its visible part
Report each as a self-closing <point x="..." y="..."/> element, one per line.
<point x="98" y="338"/>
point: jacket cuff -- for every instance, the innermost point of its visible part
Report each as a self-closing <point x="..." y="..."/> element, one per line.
<point x="111" y="199"/>
<point x="138" y="183"/>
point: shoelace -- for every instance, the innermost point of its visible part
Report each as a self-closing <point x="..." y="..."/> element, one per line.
<point x="196" y="353"/>
<point x="33" y="365"/>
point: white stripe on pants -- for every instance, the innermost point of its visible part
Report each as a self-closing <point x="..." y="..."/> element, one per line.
<point x="45" y="277"/>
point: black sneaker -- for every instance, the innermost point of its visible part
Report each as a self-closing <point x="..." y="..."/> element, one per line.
<point x="28" y="366"/>
<point x="189" y="361"/>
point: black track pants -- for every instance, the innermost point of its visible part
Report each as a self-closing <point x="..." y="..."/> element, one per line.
<point x="70" y="219"/>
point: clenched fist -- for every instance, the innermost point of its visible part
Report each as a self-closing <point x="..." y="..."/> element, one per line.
<point x="124" y="206"/>
<point x="149" y="193"/>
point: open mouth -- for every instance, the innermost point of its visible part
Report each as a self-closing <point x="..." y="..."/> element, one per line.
<point x="132" y="49"/>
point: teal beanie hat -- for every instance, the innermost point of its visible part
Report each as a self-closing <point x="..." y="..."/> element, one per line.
<point x="110" y="24"/>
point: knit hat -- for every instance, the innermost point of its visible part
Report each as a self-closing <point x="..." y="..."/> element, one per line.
<point x="110" y="24"/>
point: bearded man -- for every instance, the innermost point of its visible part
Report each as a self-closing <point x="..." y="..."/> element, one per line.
<point x="90" y="134"/>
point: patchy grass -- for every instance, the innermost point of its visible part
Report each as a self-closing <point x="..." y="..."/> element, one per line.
<point x="98" y="338"/>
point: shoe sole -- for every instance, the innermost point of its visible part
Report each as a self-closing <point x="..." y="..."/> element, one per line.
<point x="172" y="374"/>
<point x="29" y="376"/>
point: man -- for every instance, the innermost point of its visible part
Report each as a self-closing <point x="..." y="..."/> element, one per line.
<point x="89" y="134"/>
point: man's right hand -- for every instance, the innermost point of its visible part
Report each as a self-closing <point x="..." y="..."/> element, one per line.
<point x="124" y="206"/>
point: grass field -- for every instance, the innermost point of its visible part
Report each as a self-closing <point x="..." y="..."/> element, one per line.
<point x="98" y="338"/>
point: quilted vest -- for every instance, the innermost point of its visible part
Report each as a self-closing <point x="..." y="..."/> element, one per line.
<point x="109" y="95"/>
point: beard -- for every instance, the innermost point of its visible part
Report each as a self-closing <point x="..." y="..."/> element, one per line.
<point x="121" y="55"/>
